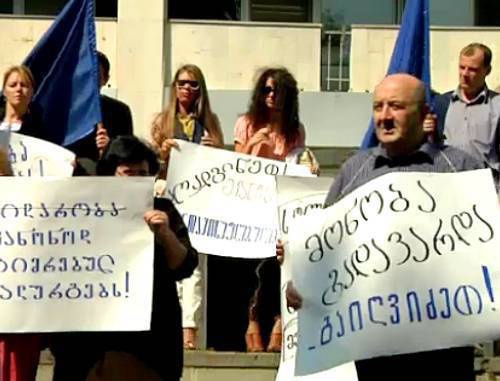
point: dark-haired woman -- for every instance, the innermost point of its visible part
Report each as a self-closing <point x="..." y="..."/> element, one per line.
<point x="149" y="355"/>
<point x="271" y="129"/>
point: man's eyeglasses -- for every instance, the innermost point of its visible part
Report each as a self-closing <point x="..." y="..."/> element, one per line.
<point x="268" y="89"/>
<point x="194" y="85"/>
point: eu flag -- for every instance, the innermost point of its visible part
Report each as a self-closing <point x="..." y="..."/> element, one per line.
<point x="410" y="54"/>
<point x="64" y="64"/>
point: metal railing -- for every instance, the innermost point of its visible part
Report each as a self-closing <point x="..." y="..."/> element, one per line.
<point x="335" y="71"/>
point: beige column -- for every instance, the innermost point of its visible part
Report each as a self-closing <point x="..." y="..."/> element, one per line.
<point x="140" y="58"/>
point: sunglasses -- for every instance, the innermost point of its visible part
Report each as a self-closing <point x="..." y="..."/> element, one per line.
<point x="268" y="89"/>
<point x="194" y="85"/>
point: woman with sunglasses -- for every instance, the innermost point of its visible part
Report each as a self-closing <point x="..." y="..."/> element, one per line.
<point x="188" y="116"/>
<point x="270" y="129"/>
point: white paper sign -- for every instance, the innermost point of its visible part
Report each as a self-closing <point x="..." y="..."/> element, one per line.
<point x="403" y="264"/>
<point x="33" y="157"/>
<point x="227" y="199"/>
<point x="299" y="197"/>
<point x="76" y="254"/>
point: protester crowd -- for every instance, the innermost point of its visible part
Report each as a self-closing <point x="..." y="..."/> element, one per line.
<point x="460" y="133"/>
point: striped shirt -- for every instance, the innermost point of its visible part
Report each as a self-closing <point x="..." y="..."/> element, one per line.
<point x="474" y="126"/>
<point x="367" y="165"/>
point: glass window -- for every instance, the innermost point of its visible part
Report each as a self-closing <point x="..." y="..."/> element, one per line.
<point x="204" y="9"/>
<point x="104" y="8"/>
<point x="487" y="12"/>
<point x="336" y="13"/>
<point x="6" y="6"/>
<point x="45" y="7"/>
<point x="337" y="16"/>
<point x="281" y="10"/>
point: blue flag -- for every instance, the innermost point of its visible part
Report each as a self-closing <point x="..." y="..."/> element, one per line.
<point x="410" y="54"/>
<point x="64" y="64"/>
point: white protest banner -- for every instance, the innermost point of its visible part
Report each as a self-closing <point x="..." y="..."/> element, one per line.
<point x="299" y="197"/>
<point x="227" y="199"/>
<point x="402" y="264"/>
<point x="76" y="254"/>
<point x="33" y="157"/>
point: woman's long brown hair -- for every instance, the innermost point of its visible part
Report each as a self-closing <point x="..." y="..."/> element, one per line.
<point x="287" y="103"/>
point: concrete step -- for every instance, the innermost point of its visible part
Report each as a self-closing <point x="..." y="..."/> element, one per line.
<point x="231" y="366"/>
<point x="205" y="366"/>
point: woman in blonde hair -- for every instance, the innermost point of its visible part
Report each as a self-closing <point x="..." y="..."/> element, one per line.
<point x="188" y="115"/>
<point x="18" y="112"/>
<point x="19" y="353"/>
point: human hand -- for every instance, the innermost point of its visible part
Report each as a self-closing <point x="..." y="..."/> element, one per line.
<point x="101" y="139"/>
<point x="293" y="298"/>
<point x="280" y="252"/>
<point x="314" y="168"/>
<point x="158" y="222"/>
<point x="430" y="123"/>
<point x="160" y="188"/>
<point x="308" y="159"/>
<point x="260" y="136"/>
<point x="206" y="140"/>
<point x="166" y="147"/>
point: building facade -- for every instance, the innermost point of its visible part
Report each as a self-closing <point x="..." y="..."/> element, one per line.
<point x="327" y="44"/>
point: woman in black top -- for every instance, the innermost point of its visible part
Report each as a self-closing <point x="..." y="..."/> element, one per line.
<point x="19" y="114"/>
<point x="19" y="353"/>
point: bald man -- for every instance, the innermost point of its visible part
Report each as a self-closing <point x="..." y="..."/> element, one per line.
<point x="398" y="111"/>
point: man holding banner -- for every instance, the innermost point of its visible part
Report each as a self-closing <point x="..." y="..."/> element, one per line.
<point x="398" y="111"/>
